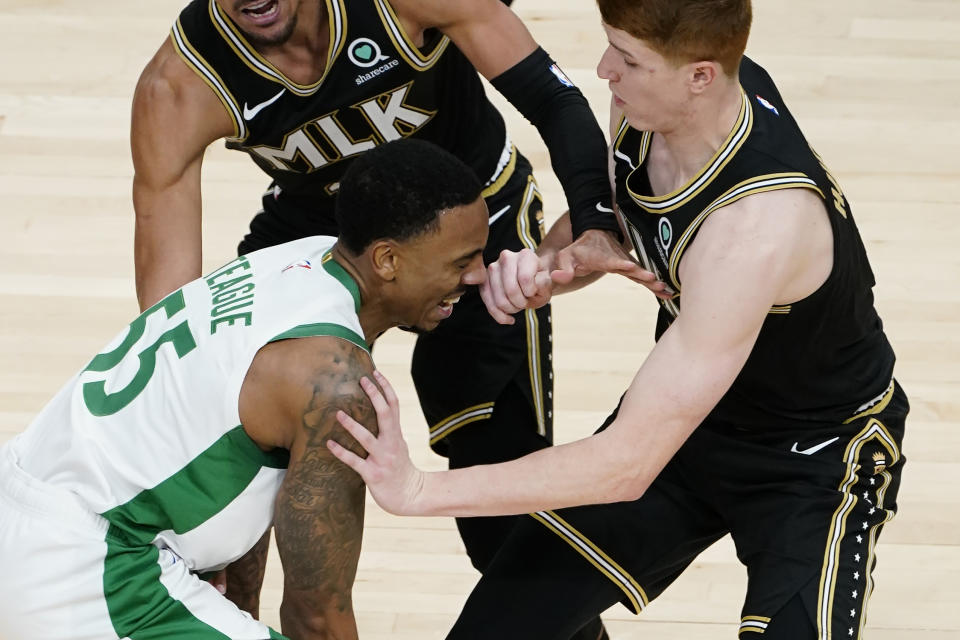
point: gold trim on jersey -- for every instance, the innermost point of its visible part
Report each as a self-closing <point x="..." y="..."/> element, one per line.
<point x="753" y="624"/>
<point x="871" y="546"/>
<point x="595" y="556"/>
<point x="402" y="42"/>
<point x="874" y="430"/>
<point x="674" y="200"/>
<point x="462" y="418"/>
<point x="336" y="13"/>
<point x="202" y="68"/>
<point x="622" y="129"/>
<point x="503" y="172"/>
<point x="758" y="184"/>
<point x="530" y="315"/>
<point x="874" y="406"/>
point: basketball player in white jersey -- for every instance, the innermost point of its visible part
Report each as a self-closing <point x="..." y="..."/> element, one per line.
<point x="171" y="452"/>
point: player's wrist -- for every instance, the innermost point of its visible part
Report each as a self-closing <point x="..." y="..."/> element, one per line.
<point x="548" y="257"/>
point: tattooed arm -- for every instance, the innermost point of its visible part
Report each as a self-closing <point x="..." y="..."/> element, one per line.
<point x="245" y="577"/>
<point x="296" y="387"/>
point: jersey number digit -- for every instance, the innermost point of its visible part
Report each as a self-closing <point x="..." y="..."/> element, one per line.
<point x="101" y="403"/>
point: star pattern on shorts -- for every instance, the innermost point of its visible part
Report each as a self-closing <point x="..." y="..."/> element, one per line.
<point x="856" y="557"/>
<point x="854" y="593"/>
<point x="859" y="539"/>
<point x="864" y="526"/>
<point x="856" y="575"/>
<point x="852" y="613"/>
<point x="850" y="631"/>
<point x="872" y="481"/>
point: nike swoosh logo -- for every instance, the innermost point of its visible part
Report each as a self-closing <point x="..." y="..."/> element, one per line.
<point x="250" y="114"/>
<point x="812" y="450"/>
<point x="603" y="209"/>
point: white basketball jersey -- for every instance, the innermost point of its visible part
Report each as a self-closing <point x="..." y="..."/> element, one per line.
<point x="148" y="434"/>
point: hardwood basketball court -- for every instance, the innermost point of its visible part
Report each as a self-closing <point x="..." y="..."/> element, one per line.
<point x="873" y="83"/>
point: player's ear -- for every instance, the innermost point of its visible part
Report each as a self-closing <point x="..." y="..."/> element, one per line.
<point x="701" y="75"/>
<point x="385" y="259"/>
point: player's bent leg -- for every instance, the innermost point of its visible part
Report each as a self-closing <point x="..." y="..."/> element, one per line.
<point x="505" y="436"/>
<point x="188" y="607"/>
<point x="534" y="589"/>
<point x="560" y="569"/>
<point x="794" y="621"/>
<point x="808" y="532"/>
<point x="68" y="576"/>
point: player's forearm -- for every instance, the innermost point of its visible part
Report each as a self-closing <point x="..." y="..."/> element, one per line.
<point x="594" y="470"/>
<point x="301" y="621"/>
<point x="167" y="244"/>
<point x="558" y="236"/>
<point x="245" y="577"/>
<point x="578" y="152"/>
<point x="680" y="382"/>
<point x="160" y="270"/>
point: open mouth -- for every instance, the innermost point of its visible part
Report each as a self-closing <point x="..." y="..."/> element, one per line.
<point x="446" y="305"/>
<point x="262" y="11"/>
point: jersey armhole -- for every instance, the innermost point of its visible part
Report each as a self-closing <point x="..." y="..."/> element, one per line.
<point x="205" y="71"/>
<point x="320" y="329"/>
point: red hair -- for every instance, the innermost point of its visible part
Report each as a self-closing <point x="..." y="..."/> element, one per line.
<point x="685" y="31"/>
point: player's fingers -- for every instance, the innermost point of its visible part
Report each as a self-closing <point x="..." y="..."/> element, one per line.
<point x="486" y="294"/>
<point x="512" y="291"/>
<point x="561" y="276"/>
<point x="347" y="457"/>
<point x="528" y="266"/>
<point x="388" y="391"/>
<point x="505" y="278"/>
<point x="219" y="581"/>
<point x="495" y="279"/>
<point x="385" y="414"/>
<point x="632" y="270"/>
<point x="566" y="268"/>
<point x="544" y="288"/>
<point x="359" y="432"/>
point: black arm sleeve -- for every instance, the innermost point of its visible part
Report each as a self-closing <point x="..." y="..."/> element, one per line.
<point x="578" y="151"/>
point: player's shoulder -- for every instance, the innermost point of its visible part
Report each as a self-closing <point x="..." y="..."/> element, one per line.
<point x="320" y="367"/>
<point x="773" y="220"/>
<point x="440" y="13"/>
<point x="167" y="80"/>
<point x="169" y="96"/>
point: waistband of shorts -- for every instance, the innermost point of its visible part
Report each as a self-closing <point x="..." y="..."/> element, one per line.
<point x="42" y="498"/>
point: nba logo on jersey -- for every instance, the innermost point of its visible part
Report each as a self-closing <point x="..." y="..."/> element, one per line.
<point x="303" y="264"/>
<point x="561" y="76"/>
<point x="766" y="103"/>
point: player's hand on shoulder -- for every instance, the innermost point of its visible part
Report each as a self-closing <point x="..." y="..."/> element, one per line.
<point x="518" y="280"/>
<point x="389" y="473"/>
<point x="597" y="251"/>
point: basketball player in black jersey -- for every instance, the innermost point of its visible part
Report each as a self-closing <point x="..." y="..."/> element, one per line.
<point x="766" y="410"/>
<point x="303" y="87"/>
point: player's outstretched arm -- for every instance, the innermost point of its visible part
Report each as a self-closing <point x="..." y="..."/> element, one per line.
<point x="175" y="117"/>
<point x="293" y="393"/>
<point x="501" y="48"/>
<point x="752" y="258"/>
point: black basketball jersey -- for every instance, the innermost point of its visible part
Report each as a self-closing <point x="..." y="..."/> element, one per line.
<point x="818" y="361"/>
<point x="377" y="86"/>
